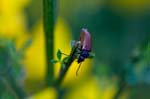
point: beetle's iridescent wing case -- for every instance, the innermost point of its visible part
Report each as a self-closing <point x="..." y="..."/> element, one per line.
<point x="85" y="39"/>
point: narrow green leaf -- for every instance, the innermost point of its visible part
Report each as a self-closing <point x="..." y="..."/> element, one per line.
<point x="59" y="55"/>
<point x="27" y="44"/>
<point x="65" y="59"/>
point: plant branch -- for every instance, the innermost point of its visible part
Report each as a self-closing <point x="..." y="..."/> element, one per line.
<point x="121" y="86"/>
<point x="49" y="22"/>
<point x="66" y="63"/>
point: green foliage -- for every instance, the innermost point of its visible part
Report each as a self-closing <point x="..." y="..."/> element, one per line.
<point x="26" y="44"/>
<point x="7" y="95"/>
<point x="11" y="70"/>
<point x="59" y="54"/>
<point x="65" y="59"/>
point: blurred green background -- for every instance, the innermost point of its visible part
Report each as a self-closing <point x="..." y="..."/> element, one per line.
<point x="120" y="31"/>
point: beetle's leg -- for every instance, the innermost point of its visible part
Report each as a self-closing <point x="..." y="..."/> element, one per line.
<point x="65" y="54"/>
<point x="78" y="69"/>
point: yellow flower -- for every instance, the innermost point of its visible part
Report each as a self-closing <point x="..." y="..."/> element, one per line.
<point x="48" y="93"/>
<point x="35" y="55"/>
<point x="12" y="19"/>
<point x="86" y="90"/>
<point x="90" y="89"/>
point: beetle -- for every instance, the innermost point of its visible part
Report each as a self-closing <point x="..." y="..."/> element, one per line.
<point x="84" y="46"/>
<point x="81" y="49"/>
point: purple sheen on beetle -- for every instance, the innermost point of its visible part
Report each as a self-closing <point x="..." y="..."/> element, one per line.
<point x="85" y="39"/>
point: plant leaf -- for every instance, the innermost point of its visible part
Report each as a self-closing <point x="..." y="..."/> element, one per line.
<point x="27" y="44"/>
<point x="59" y="55"/>
<point x="65" y="59"/>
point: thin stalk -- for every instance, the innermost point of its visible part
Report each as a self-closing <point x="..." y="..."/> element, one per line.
<point x="63" y="71"/>
<point x="66" y="64"/>
<point x="121" y="87"/>
<point x="49" y="22"/>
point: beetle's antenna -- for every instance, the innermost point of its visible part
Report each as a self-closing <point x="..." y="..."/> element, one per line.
<point x="78" y="69"/>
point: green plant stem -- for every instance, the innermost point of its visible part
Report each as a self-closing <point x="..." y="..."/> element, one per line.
<point x="67" y="63"/>
<point x="121" y="86"/>
<point x="63" y="71"/>
<point x="49" y="22"/>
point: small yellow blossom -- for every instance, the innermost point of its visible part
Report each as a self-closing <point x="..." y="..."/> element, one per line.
<point x="48" y="93"/>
